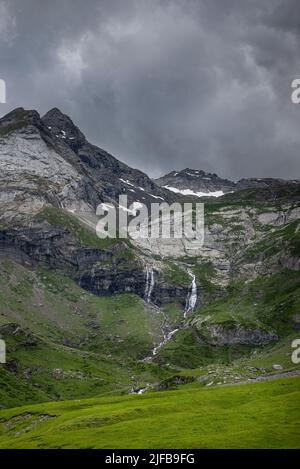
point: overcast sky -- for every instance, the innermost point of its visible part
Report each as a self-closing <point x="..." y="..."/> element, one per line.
<point x="163" y="84"/>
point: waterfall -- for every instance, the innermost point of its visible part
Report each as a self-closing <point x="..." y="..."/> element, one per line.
<point x="80" y="279"/>
<point x="166" y="339"/>
<point x="191" y="299"/>
<point x="149" y="284"/>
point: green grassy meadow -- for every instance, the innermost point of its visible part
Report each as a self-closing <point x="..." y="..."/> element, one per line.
<point x="257" y="415"/>
<point x="75" y="360"/>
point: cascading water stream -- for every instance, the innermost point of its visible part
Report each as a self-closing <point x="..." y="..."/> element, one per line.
<point x="149" y="284"/>
<point x="165" y="340"/>
<point x="192" y="296"/>
<point x="191" y="301"/>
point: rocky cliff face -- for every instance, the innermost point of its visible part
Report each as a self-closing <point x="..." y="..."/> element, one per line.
<point x="52" y="180"/>
<point x="107" y="176"/>
<point x="48" y="160"/>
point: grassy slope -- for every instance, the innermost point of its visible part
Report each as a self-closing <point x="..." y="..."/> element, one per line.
<point x="83" y="235"/>
<point x="71" y="343"/>
<point x="102" y="338"/>
<point x="270" y="303"/>
<point x="260" y="415"/>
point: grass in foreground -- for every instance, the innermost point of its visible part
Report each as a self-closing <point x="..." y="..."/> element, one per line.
<point x="260" y="415"/>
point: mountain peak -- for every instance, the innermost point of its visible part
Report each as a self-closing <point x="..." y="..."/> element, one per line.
<point x="57" y="118"/>
<point x="56" y="114"/>
<point x="61" y="125"/>
<point x="195" y="182"/>
<point x="20" y="115"/>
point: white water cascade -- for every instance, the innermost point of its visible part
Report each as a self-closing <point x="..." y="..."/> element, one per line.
<point x="166" y="339"/>
<point x="149" y="284"/>
<point x="191" y="301"/>
<point x="192" y="296"/>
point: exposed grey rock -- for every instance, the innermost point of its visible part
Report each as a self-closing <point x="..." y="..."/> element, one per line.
<point x="49" y="160"/>
<point x="109" y="176"/>
<point x="198" y="181"/>
<point x="220" y="335"/>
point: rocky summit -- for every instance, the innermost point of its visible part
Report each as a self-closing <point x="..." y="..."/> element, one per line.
<point x="199" y="183"/>
<point x="49" y="160"/>
<point x="135" y="314"/>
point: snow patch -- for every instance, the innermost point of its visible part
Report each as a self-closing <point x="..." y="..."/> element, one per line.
<point x="127" y="182"/>
<point x="197" y="194"/>
<point x="156" y="196"/>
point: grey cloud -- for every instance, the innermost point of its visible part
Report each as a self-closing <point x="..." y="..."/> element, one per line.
<point x="163" y="84"/>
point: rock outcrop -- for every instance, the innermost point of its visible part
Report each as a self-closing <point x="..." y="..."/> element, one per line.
<point x="52" y="180"/>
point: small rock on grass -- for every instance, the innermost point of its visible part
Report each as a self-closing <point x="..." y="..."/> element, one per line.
<point x="277" y="367"/>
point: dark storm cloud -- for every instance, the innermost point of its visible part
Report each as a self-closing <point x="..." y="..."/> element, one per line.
<point x="163" y="84"/>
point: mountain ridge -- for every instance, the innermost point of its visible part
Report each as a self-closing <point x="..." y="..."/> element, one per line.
<point x="199" y="183"/>
<point x="95" y="175"/>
